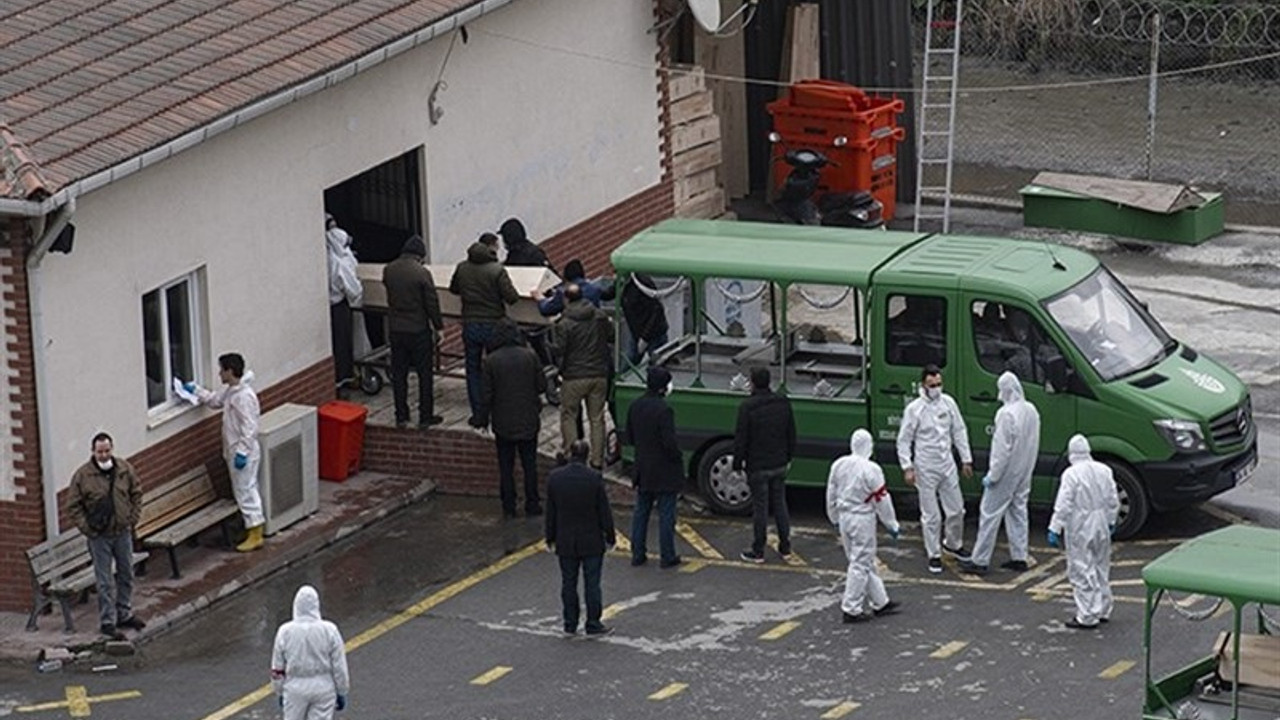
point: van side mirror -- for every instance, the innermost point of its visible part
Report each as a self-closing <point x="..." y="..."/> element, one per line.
<point x="1057" y="375"/>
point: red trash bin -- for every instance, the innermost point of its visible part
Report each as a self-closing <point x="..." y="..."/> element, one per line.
<point x="341" y="431"/>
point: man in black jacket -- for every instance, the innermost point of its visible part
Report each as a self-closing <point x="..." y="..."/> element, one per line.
<point x="763" y="445"/>
<point x="579" y="530"/>
<point x="485" y="289"/>
<point x="513" y="385"/>
<point x="646" y="318"/>
<point x="521" y="251"/>
<point x="413" y="317"/>
<point x="658" y="470"/>
<point x="580" y="341"/>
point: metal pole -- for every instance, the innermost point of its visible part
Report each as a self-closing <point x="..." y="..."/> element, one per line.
<point x="1152" y="84"/>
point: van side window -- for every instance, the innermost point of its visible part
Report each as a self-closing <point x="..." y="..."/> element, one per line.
<point x="916" y="327"/>
<point x="1009" y="338"/>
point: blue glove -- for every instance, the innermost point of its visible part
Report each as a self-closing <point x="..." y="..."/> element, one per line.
<point x="342" y="703"/>
<point x="241" y="461"/>
<point x="191" y="387"/>
<point x="894" y="532"/>
<point x="1113" y="531"/>
<point x="1054" y="539"/>
<point x="280" y="699"/>
<point x="986" y="481"/>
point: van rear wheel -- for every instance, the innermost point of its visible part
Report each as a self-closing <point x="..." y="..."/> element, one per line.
<point x="725" y="491"/>
<point x="1134" y="507"/>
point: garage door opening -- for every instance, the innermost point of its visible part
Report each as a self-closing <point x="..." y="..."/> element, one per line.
<point x="380" y="207"/>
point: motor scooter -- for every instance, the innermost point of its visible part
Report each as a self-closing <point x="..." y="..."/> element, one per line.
<point x="798" y="202"/>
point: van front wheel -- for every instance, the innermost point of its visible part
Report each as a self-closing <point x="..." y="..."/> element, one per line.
<point x="1134" y="507"/>
<point x="725" y="491"/>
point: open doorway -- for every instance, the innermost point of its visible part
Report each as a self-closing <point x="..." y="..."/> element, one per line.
<point x="381" y="207"/>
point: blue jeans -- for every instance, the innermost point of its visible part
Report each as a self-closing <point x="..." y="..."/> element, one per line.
<point x="633" y="347"/>
<point x="475" y="338"/>
<point x="769" y="488"/>
<point x="666" y="525"/>
<point x="591" y="566"/>
<point x="115" y="600"/>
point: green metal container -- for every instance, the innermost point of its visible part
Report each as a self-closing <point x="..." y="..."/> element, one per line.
<point x="1052" y="208"/>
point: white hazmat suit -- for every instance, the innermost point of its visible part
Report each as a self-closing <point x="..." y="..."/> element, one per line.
<point x="856" y="496"/>
<point x="930" y="427"/>
<point x="344" y="284"/>
<point x="309" y="661"/>
<point x="1015" y="445"/>
<point x="1084" y="512"/>
<point x="240" y="416"/>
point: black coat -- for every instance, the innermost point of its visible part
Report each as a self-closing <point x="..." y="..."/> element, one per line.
<point x="513" y="383"/>
<point x="651" y="429"/>
<point x="765" y="438"/>
<point x="579" y="520"/>
<point x="645" y="316"/>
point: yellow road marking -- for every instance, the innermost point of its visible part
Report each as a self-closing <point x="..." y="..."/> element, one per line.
<point x="78" y="701"/>
<point x="391" y="623"/>
<point x="840" y="710"/>
<point x="1189" y="600"/>
<point x="949" y="649"/>
<point x="1116" y="670"/>
<point x="691" y="565"/>
<point x="698" y="542"/>
<point x="669" y="691"/>
<point x="1222" y="611"/>
<point x="489" y="676"/>
<point x="610" y="612"/>
<point x="793" y="559"/>
<point x="780" y="630"/>
<point x="623" y="542"/>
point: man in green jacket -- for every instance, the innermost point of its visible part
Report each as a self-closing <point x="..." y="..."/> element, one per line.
<point x="413" y="314"/>
<point x="485" y="289"/>
<point x="580" y="341"/>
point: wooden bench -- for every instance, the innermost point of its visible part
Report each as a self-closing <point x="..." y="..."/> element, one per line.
<point x="62" y="568"/>
<point x="180" y="510"/>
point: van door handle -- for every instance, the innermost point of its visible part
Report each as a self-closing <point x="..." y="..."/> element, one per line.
<point x="893" y="390"/>
<point x="983" y="398"/>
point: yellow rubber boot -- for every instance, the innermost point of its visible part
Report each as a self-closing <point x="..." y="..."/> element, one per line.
<point x="252" y="541"/>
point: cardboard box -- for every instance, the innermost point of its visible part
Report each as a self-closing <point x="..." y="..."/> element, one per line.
<point x="527" y="280"/>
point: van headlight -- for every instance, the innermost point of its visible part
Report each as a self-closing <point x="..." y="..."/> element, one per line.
<point x="1183" y="435"/>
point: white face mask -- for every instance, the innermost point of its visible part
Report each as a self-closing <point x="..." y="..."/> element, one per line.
<point x="933" y="393"/>
<point x="105" y="465"/>
<point x="671" y="384"/>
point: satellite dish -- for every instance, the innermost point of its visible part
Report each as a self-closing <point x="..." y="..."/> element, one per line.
<point x="707" y="13"/>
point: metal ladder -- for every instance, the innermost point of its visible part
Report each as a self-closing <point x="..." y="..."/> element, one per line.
<point x="937" y="118"/>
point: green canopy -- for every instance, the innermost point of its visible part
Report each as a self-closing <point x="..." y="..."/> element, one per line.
<point x="1239" y="563"/>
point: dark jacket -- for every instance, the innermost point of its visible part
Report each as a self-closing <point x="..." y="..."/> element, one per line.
<point x="521" y="252"/>
<point x="644" y="315"/>
<point x="89" y="485"/>
<point x="483" y="284"/>
<point x="651" y="429"/>
<point x="765" y="438"/>
<point x="513" y="385"/>
<point x="413" y="306"/>
<point x="579" y="521"/>
<point x="580" y="340"/>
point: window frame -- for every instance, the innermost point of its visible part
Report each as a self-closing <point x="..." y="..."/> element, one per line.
<point x="946" y="329"/>
<point x="197" y="314"/>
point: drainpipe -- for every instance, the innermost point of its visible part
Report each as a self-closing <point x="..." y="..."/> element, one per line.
<point x="53" y="225"/>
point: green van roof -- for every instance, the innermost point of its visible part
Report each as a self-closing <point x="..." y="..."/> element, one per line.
<point x="752" y="250"/>
<point x="983" y="263"/>
<point x="1239" y="562"/>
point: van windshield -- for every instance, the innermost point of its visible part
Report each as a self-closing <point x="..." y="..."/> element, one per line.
<point x="1109" y="327"/>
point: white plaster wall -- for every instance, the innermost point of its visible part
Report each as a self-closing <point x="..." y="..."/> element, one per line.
<point x="529" y="130"/>
<point x="9" y="428"/>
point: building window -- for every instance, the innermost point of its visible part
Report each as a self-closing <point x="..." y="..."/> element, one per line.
<point x="172" y="317"/>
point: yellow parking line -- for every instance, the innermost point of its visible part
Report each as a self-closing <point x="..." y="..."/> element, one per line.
<point x="691" y="565"/>
<point x="840" y="710"/>
<point x="669" y="691"/>
<point x="949" y="649"/>
<point x="793" y="559"/>
<point x="612" y="611"/>
<point x="699" y="543"/>
<point x="624" y="543"/>
<point x="780" y="630"/>
<point x="1189" y="600"/>
<point x="1116" y="670"/>
<point x="490" y="675"/>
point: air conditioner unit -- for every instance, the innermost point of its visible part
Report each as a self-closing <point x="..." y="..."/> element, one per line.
<point x="289" y="478"/>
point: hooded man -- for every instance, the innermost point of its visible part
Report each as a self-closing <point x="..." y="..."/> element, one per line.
<point x="1084" y="517"/>
<point x="512" y="403"/>
<point x="345" y="292"/>
<point x="595" y="291"/>
<point x="309" y="662"/>
<point x="764" y="441"/>
<point x="931" y="426"/>
<point x="645" y="316"/>
<point x="856" y="496"/>
<point x="658" y="472"/>
<point x="413" y="314"/>
<point x="1015" y="445"/>
<point x="485" y="289"/>
<point x="521" y="252"/>
<point x="580" y="342"/>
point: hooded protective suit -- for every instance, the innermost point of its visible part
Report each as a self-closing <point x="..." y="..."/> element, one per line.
<point x="856" y="496"/>
<point x="240" y="416"/>
<point x="929" y="429"/>
<point x="343" y="283"/>
<point x="1014" y="448"/>
<point x="309" y="662"/>
<point x="1084" y="512"/>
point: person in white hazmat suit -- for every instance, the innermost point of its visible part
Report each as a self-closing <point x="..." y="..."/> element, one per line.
<point x="309" y="662"/>
<point x="345" y="292"/>
<point x="931" y="426"/>
<point x="1015" y="445"/>
<point x="1084" y="516"/>
<point x="240" y="446"/>
<point x="856" y="496"/>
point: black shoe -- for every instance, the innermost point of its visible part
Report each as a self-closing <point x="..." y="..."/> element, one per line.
<point x="1104" y="621"/>
<point x="671" y="563"/>
<point x="638" y="560"/>
<point x="111" y="633"/>
<point x="1077" y="625"/>
<point x="959" y="552"/>
<point x="433" y="420"/>
<point x="1015" y="565"/>
<point x="402" y="424"/>
<point x="893" y="607"/>
<point x="599" y="631"/>
<point x="972" y="568"/>
<point x="570" y="630"/>
<point x="476" y="422"/>
<point x="509" y="513"/>
<point x="133" y="622"/>
<point x="784" y="550"/>
<point x="752" y="556"/>
<point x="533" y="511"/>
<point x="848" y="619"/>
<point x="935" y="565"/>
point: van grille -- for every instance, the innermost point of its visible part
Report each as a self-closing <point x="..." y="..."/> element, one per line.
<point x="1232" y="427"/>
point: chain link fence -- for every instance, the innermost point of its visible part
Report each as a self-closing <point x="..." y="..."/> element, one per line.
<point x="1065" y="85"/>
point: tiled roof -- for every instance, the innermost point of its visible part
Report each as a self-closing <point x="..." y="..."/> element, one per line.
<point x="87" y="84"/>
